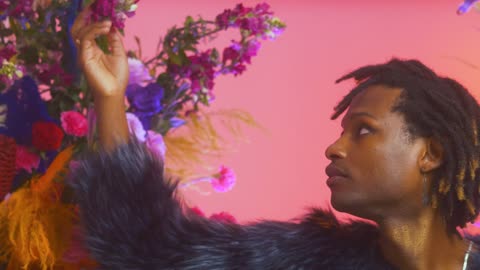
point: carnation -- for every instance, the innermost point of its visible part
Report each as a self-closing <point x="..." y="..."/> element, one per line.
<point x="224" y="180"/>
<point x="74" y="123"/>
<point x="25" y="159"/>
<point x="46" y="136"/>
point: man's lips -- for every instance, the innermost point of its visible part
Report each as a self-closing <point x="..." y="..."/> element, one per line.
<point x="335" y="174"/>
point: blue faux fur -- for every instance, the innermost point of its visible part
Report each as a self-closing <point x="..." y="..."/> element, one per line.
<point x="134" y="220"/>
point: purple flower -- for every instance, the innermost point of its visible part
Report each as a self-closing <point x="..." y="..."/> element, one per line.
<point x="138" y="72"/>
<point x="156" y="144"/>
<point x="177" y="122"/>
<point x="135" y="127"/>
<point x="466" y="6"/>
<point x="145" y="102"/>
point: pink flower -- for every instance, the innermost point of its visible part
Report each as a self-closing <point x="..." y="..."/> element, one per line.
<point x="25" y="159"/>
<point x="138" y="72"/>
<point x="224" y="180"/>
<point x="156" y="144"/>
<point x="223" y="217"/>
<point x="74" y="123"/>
<point x="136" y="127"/>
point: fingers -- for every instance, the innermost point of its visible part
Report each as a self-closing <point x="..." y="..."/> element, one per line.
<point x="115" y="42"/>
<point x="85" y="38"/>
<point x="79" y="23"/>
<point x="92" y="31"/>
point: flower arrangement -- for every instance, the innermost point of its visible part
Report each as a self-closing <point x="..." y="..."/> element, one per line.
<point x="46" y="113"/>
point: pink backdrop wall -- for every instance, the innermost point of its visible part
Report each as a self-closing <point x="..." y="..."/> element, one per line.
<point x="289" y="88"/>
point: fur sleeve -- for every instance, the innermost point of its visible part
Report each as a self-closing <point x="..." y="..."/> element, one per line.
<point x="134" y="220"/>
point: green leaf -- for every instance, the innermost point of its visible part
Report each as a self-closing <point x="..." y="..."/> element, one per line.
<point x="188" y="22"/>
<point x="160" y="124"/>
<point x="102" y="43"/>
<point x="30" y="55"/>
<point x="166" y="81"/>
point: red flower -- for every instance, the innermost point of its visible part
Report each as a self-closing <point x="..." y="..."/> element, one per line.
<point x="46" y="136"/>
<point x="223" y="217"/>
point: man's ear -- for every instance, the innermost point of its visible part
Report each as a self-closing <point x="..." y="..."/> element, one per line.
<point x="432" y="156"/>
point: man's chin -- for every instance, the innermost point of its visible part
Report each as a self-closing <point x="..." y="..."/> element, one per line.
<point x="346" y="204"/>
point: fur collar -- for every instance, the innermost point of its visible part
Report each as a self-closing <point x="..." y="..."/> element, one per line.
<point x="134" y="219"/>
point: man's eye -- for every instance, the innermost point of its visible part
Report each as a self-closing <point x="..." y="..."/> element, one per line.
<point x="364" y="131"/>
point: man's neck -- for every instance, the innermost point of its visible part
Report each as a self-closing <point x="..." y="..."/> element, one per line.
<point x="421" y="243"/>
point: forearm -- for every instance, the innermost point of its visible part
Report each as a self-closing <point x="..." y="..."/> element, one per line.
<point x="112" y="124"/>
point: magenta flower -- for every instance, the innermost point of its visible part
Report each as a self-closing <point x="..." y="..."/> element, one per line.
<point x="8" y="51"/>
<point x="251" y="50"/>
<point x="202" y="71"/>
<point x="4" y="5"/>
<point x="197" y="211"/>
<point x="224" y="180"/>
<point x="22" y="9"/>
<point x="262" y="9"/>
<point x="138" y="72"/>
<point x="74" y="123"/>
<point x="255" y="25"/>
<point x="136" y="127"/>
<point x="236" y="55"/>
<point x="115" y="10"/>
<point x="156" y="144"/>
<point x="49" y="73"/>
<point x="25" y="159"/>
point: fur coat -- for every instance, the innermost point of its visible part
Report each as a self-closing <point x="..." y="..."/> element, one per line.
<point x="133" y="219"/>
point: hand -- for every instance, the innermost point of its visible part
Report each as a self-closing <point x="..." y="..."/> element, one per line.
<point x="106" y="74"/>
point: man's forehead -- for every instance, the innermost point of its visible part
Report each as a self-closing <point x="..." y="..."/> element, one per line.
<point x="375" y="98"/>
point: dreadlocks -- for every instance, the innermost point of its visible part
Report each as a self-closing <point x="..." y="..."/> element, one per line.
<point x="440" y="108"/>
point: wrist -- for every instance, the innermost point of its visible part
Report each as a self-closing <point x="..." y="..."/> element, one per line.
<point x="104" y="97"/>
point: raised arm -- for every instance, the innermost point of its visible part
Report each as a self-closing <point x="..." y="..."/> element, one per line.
<point x="107" y="77"/>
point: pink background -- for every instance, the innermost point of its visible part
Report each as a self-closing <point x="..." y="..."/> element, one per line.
<point x="290" y="87"/>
